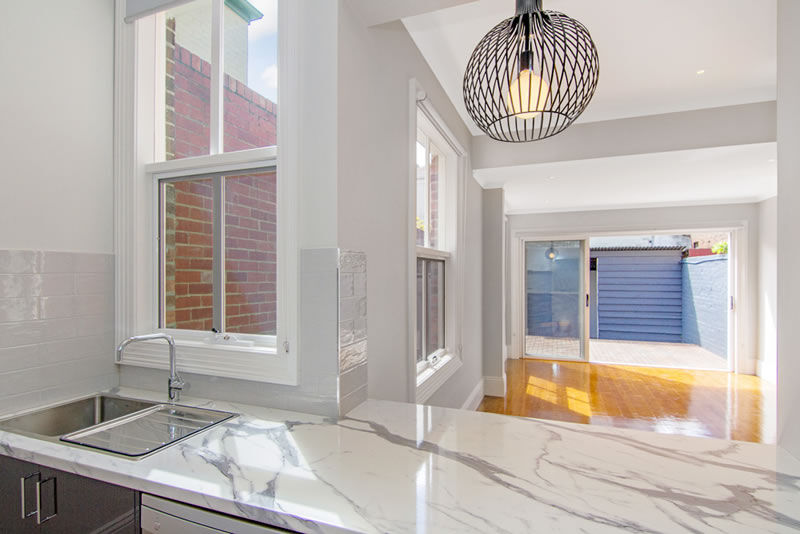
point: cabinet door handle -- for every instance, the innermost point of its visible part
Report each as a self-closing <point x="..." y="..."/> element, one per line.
<point x="22" y="481"/>
<point x="39" y="484"/>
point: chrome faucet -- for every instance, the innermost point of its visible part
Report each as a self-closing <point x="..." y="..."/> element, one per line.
<point x="175" y="383"/>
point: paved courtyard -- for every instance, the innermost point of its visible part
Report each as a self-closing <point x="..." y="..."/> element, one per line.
<point x="641" y="353"/>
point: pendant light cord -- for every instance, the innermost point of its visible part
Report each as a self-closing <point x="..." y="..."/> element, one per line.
<point x="528" y="6"/>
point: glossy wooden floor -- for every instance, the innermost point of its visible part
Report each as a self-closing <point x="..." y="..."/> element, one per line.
<point x="674" y="401"/>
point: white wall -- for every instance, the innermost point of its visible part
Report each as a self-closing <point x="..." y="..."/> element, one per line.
<point x="768" y="289"/>
<point x="668" y="220"/>
<point x="56" y="101"/>
<point x="375" y="66"/>
<point x="788" y="224"/>
<point x="493" y="301"/>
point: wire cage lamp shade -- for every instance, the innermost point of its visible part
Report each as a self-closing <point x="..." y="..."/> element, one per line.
<point x="532" y="75"/>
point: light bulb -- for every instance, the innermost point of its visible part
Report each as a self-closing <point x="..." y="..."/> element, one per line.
<point x="527" y="95"/>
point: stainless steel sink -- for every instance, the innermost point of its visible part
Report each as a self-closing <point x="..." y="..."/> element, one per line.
<point x="73" y="416"/>
<point x="128" y="427"/>
<point x="147" y="430"/>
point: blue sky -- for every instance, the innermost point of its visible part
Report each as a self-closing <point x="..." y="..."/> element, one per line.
<point x="262" y="68"/>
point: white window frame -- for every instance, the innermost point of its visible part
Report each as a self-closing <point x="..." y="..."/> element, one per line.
<point x="137" y="171"/>
<point x="430" y="375"/>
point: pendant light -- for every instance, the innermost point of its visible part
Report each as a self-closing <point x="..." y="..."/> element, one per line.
<point x="531" y="76"/>
<point x="551" y="253"/>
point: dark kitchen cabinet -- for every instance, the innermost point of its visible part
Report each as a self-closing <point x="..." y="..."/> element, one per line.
<point x="67" y="502"/>
<point x="11" y="498"/>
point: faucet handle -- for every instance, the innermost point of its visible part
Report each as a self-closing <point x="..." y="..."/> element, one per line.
<point x="177" y="383"/>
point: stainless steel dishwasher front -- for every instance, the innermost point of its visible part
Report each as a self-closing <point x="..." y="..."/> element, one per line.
<point x="162" y="516"/>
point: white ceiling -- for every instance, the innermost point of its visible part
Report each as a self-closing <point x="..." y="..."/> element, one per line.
<point x="650" y="51"/>
<point x="745" y="173"/>
<point x="373" y="12"/>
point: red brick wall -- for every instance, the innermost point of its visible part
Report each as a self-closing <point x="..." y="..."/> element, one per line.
<point x="250" y="121"/>
<point x="250" y="264"/>
<point x="433" y="225"/>
<point x="435" y="242"/>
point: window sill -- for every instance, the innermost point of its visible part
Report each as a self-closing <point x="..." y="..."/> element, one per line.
<point x="432" y="378"/>
<point x="259" y="364"/>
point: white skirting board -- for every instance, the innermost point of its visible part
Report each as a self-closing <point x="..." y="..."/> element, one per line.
<point x="494" y="386"/>
<point x="474" y="399"/>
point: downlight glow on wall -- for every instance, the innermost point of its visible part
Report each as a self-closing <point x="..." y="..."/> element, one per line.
<point x="532" y="75"/>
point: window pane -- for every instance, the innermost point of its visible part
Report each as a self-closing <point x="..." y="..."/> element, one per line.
<point x="188" y="80"/>
<point x="422" y="189"/>
<point x="251" y="75"/>
<point x="434" y="306"/>
<point x="187" y="254"/>
<point x="420" y="310"/>
<point x="250" y="253"/>
<point x="435" y="170"/>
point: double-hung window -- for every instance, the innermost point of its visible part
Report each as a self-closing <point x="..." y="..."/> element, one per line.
<point x="436" y="293"/>
<point x="205" y="240"/>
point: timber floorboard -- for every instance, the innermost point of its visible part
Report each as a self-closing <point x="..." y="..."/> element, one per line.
<point x="714" y="404"/>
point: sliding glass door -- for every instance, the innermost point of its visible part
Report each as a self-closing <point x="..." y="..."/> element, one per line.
<point x="556" y="299"/>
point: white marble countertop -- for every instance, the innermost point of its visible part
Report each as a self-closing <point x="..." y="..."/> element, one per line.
<point x="392" y="467"/>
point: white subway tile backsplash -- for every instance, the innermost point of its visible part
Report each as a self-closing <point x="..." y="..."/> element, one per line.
<point x="352" y="330"/>
<point x="18" y="285"/>
<point x="94" y="284"/>
<point x="94" y="263"/>
<point x="360" y="329"/>
<point x="352" y="355"/>
<point x="18" y="358"/>
<point x="19" y="261"/>
<point x="18" y="309"/>
<point x="352" y="262"/>
<point x="346" y="284"/>
<point x="53" y="285"/>
<point x="360" y="284"/>
<point x="95" y="325"/>
<point x="18" y="334"/>
<point x="73" y="306"/>
<point x="346" y="334"/>
<point x="58" y="307"/>
<point x="56" y="329"/>
<point x="353" y="307"/>
<point x="56" y="326"/>
<point x="80" y="347"/>
<point x="57" y="262"/>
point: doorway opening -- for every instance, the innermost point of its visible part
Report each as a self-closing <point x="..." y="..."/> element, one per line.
<point x="664" y="300"/>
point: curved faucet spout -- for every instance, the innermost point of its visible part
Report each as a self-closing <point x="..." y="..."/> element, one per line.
<point x="175" y="383"/>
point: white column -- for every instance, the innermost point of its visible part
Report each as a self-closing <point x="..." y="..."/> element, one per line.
<point x="788" y="225"/>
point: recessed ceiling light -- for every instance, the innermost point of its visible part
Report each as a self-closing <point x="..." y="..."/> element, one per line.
<point x="772" y="160"/>
<point x="701" y="72"/>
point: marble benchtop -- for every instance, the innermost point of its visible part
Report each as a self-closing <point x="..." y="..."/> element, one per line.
<point x="393" y="467"/>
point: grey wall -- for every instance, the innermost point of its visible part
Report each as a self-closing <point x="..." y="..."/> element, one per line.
<point x="788" y="224"/>
<point x="493" y="264"/>
<point x="686" y="130"/>
<point x="56" y="326"/>
<point x="705" y="302"/>
<point x="375" y="66"/>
